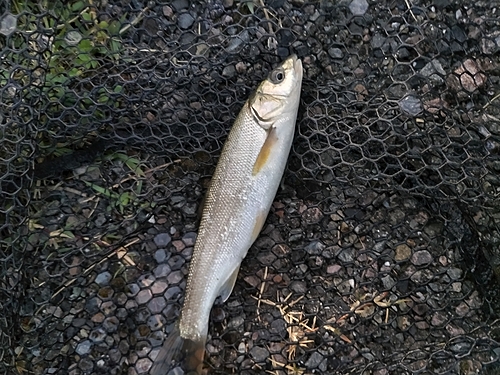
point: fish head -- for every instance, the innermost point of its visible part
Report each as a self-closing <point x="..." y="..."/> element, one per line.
<point x="279" y="93"/>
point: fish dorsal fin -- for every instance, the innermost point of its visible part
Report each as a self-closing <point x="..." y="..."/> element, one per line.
<point x="228" y="286"/>
<point x="265" y="151"/>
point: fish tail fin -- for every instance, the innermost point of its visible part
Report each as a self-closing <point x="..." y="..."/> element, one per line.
<point x="179" y="352"/>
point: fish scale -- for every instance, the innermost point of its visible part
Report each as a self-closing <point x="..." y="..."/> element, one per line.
<point x="238" y="200"/>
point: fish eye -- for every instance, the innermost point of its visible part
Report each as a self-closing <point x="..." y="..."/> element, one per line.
<point x="277" y="76"/>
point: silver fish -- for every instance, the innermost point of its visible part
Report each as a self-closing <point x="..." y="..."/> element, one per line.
<point x="238" y="200"/>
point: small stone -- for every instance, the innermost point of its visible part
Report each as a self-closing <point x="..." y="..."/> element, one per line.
<point x="298" y="287"/>
<point x="259" y="354"/>
<point x="179" y="245"/>
<point x="227" y="3"/>
<point x="454" y="273"/>
<point x="103" y="278"/>
<point x="241" y="67"/>
<point x="403" y="252"/>
<point x="229" y="71"/>
<point x="179" y="5"/>
<point x="176" y="262"/>
<point x="438" y="319"/>
<point x="333" y="268"/>
<point x="132" y="290"/>
<point x="97" y="335"/>
<point x="160" y="255"/>
<point x="98" y="318"/>
<point x="422" y="257"/>
<point x="335" y="53"/>
<point x="83" y="348"/>
<point x="358" y="7"/>
<point x="185" y="21"/>
<point x="156" y="305"/>
<point x="175" y="277"/>
<point x="8" y="24"/>
<point x="162" y="270"/>
<point x="388" y="282"/>
<point x="143" y="296"/>
<point x="111" y="324"/>
<point x="314" y="248"/>
<point x="162" y="239"/>
<point x="108" y="308"/>
<point x="167" y="11"/>
<point x="159" y="287"/>
<point x="189" y="239"/>
<point x="411" y="105"/>
<point x="314" y="360"/>
<point x="312" y="215"/>
<point x="92" y="305"/>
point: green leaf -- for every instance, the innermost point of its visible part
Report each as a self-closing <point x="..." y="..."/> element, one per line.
<point x="85" y="45"/>
<point x="103" y="25"/>
<point x="87" y="16"/>
<point x="114" y="27"/>
<point x="78" y="6"/>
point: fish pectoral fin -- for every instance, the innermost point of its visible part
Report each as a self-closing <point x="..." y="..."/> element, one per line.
<point x="265" y="151"/>
<point x="228" y="286"/>
<point x="259" y="223"/>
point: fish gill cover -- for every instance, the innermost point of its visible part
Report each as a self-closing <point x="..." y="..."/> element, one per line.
<point x="381" y="252"/>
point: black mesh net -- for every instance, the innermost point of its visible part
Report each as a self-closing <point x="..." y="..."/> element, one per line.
<point x="381" y="252"/>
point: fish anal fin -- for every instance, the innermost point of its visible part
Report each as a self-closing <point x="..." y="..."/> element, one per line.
<point x="179" y="352"/>
<point x="228" y="286"/>
<point x="265" y="151"/>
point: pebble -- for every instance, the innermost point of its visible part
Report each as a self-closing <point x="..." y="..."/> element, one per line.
<point x="132" y="289"/>
<point x="179" y="245"/>
<point x="403" y="252"/>
<point x="108" y="308"/>
<point x="97" y="335"/>
<point x="259" y="354"/>
<point x="175" y="277"/>
<point x="422" y="257"/>
<point x="156" y="305"/>
<point x="388" y="282"/>
<point x="143" y="296"/>
<point x="111" y="324"/>
<point x="8" y="24"/>
<point x="335" y="53"/>
<point x="179" y="5"/>
<point x="162" y="270"/>
<point x="103" y="278"/>
<point x="333" y="268"/>
<point x="299" y="287"/>
<point x="83" y="348"/>
<point x="176" y="262"/>
<point x="229" y="71"/>
<point x="92" y="305"/>
<point x="160" y="255"/>
<point x="86" y="365"/>
<point x="241" y="67"/>
<point x="314" y="248"/>
<point x="168" y="11"/>
<point x="358" y="7"/>
<point x="162" y="239"/>
<point x="314" y="360"/>
<point x="454" y="273"/>
<point x="411" y="105"/>
<point x="189" y="239"/>
<point x="159" y="287"/>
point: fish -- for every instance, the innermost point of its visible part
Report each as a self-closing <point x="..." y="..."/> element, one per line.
<point x="238" y="200"/>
